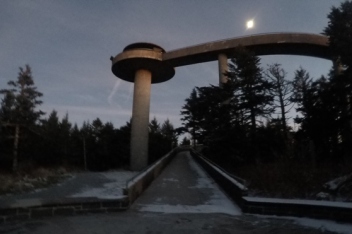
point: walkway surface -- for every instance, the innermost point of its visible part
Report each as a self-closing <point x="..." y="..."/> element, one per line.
<point x="183" y="199"/>
<point x="185" y="188"/>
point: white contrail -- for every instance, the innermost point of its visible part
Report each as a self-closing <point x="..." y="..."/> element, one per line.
<point x="130" y="92"/>
<point x="114" y="90"/>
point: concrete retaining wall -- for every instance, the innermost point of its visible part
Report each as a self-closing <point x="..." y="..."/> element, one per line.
<point x="232" y="190"/>
<point x="136" y="186"/>
<point x="298" y="208"/>
<point x="337" y="211"/>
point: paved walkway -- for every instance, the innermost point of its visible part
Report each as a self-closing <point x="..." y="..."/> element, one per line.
<point x="183" y="187"/>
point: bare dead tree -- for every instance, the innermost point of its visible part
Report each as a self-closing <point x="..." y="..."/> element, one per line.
<point x="281" y="92"/>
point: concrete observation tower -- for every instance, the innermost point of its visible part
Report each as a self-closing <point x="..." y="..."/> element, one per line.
<point x="146" y="63"/>
<point x="142" y="64"/>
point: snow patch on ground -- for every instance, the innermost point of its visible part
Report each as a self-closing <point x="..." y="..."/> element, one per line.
<point x="109" y="190"/>
<point x="172" y="209"/>
<point x="336" y="183"/>
<point x="325" y="225"/>
<point x="300" y="202"/>
<point x="170" y="180"/>
<point x="321" y="224"/>
<point x="203" y="180"/>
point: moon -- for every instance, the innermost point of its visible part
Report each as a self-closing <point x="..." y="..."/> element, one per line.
<point x="250" y="24"/>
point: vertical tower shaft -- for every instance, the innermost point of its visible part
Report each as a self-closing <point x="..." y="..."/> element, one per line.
<point x="140" y="119"/>
<point x="223" y="67"/>
<point x="142" y="64"/>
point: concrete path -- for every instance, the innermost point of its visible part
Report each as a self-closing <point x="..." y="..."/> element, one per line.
<point x="183" y="187"/>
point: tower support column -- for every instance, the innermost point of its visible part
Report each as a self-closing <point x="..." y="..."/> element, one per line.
<point x="142" y="64"/>
<point x="140" y="119"/>
<point x="223" y="67"/>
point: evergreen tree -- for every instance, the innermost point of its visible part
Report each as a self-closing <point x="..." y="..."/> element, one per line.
<point x="7" y="107"/>
<point x="65" y="136"/>
<point x="124" y="144"/>
<point x="6" y="130"/>
<point x="156" y="143"/>
<point x="21" y="100"/>
<point x="301" y="95"/>
<point x="307" y="97"/>
<point x="19" y="108"/>
<point x="251" y="98"/>
<point x="220" y="117"/>
<point x="88" y="140"/>
<point x="216" y="113"/>
<point x="154" y="126"/>
<point x="339" y="31"/>
<point x="338" y="106"/>
<point x="52" y="123"/>
<point x="251" y="90"/>
<point x="191" y="116"/>
<point x="185" y="141"/>
<point x="325" y="126"/>
<point x="52" y="147"/>
<point x="77" y="148"/>
<point x="98" y="155"/>
<point x="169" y="133"/>
<point x="108" y="141"/>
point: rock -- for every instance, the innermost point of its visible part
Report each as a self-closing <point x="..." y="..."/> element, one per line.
<point x="323" y="196"/>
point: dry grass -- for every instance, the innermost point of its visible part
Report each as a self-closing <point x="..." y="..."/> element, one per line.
<point x="290" y="180"/>
<point x="31" y="179"/>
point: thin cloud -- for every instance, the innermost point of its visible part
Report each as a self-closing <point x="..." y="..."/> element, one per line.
<point x="113" y="91"/>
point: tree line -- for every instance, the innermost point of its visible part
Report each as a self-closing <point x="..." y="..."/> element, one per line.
<point x="246" y="120"/>
<point x="27" y="139"/>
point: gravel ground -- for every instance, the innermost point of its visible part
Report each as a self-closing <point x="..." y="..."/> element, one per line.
<point x="157" y="223"/>
<point x="87" y="184"/>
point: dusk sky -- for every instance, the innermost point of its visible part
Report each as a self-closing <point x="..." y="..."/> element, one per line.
<point x="68" y="44"/>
